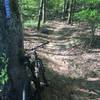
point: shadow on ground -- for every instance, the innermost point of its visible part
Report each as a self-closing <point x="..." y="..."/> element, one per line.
<point x="94" y="42"/>
<point x="65" y="88"/>
<point x="66" y="31"/>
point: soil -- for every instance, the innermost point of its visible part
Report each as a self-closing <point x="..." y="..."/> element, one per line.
<point x="72" y="69"/>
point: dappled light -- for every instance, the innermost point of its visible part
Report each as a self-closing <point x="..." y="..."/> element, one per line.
<point x="50" y="50"/>
<point x="69" y="62"/>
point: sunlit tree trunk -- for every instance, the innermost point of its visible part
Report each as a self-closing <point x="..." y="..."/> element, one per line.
<point x="64" y="9"/>
<point x="40" y="14"/>
<point x="71" y="11"/>
<point x="93" y="29"/>
<point x="11" y="43"/>
<point x="44" y="10"/>
<point x="67" y="6"/>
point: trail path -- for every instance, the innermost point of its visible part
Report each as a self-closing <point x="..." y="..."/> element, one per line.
<point x="66" y="58"/>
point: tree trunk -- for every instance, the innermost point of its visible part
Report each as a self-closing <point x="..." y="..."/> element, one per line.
<point x="64" y="9"/>
<point x="11" y="43"/>
<point x="44" y="10"/>
<point x="93" y="28"/>
<point x="40" y="14"/>
<point x="70" y="12"/>
<point x="67" y="7"/>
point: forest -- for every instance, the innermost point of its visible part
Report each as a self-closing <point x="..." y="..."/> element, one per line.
<point x="49" y="49"/>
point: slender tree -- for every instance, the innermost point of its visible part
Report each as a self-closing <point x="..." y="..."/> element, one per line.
<point x="71" y="9"/>
<point x="70" y="12"/>
<point x="40" y="14"/>
<point x="44" y="10"/>
<point x="64" y="9"/>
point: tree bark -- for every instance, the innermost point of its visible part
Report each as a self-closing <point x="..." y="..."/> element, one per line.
<point x="44" y="10"/>
<point x="40" y="14"/>
<point x="70" y="12"/>
<point x="11" y="43"/>
<point x="64" y="9"/>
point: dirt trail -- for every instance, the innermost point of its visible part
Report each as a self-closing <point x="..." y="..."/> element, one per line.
<point x="65" y="58"/>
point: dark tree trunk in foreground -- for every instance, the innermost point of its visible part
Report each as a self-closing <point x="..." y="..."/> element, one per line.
<point x="40" y="14"/>
<point x="11" y="43"/>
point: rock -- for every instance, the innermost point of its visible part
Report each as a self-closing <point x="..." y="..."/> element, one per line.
<point x="45" y="30"/>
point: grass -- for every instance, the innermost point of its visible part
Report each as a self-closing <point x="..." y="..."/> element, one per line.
<point x="33" y="23"/>
<point x="30" y="23"/>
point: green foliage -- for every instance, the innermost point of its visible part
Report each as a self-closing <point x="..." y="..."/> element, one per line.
<point x="30" y="23"/>
<point x="89" y="1"/>
<point x="55" y="4"/>
<point x="29" y="8"/>
<point x="86" y="10"/>
<point x="88" y="15"/>
<point x="89" y="12"/>
<point x="3" y="67"/>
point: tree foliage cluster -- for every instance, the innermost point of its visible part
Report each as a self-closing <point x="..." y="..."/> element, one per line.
<point x="89" y="12"/>
<point x="3" y="69"/>
<point x="30" y="8"/>
<point x="69" y="10"/>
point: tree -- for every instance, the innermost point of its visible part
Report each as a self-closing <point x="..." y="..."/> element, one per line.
<point x="64" y="9"/>
<point x="11" y="43"/>
<point x="44" y="10"/>
<point x="71" y="11"/>
<point x="40" y="14"/>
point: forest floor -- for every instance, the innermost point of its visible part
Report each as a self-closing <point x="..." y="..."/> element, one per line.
<point x="73" y="71"/>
